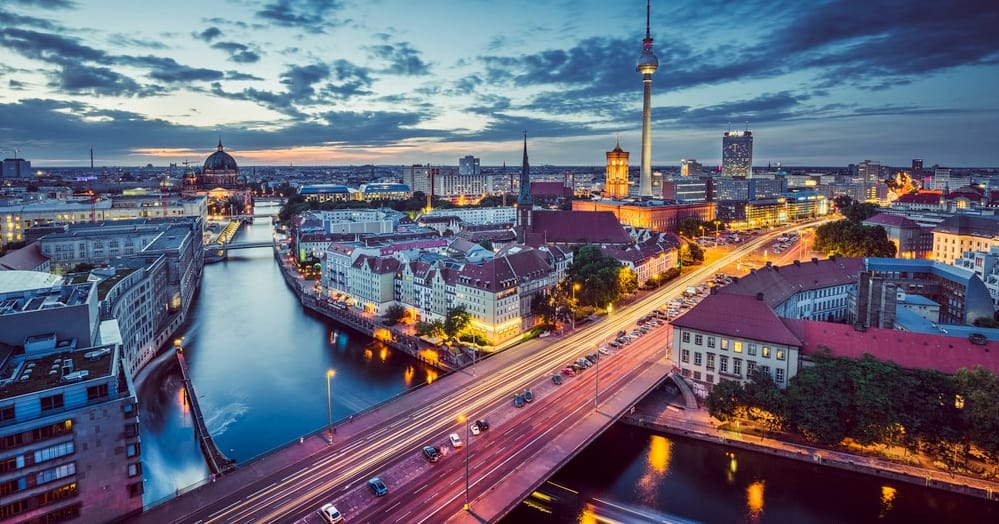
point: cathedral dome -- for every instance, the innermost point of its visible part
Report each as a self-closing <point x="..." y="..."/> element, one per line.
<point x="220" y="162"/>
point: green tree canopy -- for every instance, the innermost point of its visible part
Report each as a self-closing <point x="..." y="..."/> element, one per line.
<point x="599" y="277"/>
<point x="851" y="239"/>
<point x="456" y="321"/>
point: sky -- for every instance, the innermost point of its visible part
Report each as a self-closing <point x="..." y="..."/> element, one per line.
<point x="345" y="82"/>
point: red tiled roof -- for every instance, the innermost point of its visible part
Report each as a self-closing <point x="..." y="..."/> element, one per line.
<point x="943" y="353"/>
<point x="885" y="219"/>
<point x="778" y="283"/>
<point x="922" y="197"/>
<point x="549" y="189"/>
<point x="577" y="227"/>
<point x="738" y="316"/>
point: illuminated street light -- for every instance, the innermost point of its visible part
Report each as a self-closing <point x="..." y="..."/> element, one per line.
<point x="575" y="286"/>
<point x="329" y="403"/>
<point x="462" y="419"/>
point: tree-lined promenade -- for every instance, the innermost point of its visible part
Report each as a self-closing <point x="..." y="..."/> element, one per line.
<point x="914" y="416"/>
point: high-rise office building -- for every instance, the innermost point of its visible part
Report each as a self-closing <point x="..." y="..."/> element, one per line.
<point x="647" y="64"/>
<point x="690" y="167"/>
<point x="468" y="165"/>
<point x="737" y="153"/>
<point x="869" y="172"/>
<point x="917" y="166"/>
<point x="616" y="185"/>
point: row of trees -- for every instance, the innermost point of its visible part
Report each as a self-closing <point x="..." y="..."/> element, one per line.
<point x="849" y="237"/>
<point x="871" y="401"/>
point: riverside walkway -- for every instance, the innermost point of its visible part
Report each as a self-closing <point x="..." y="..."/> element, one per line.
<point x="218" y="463"/>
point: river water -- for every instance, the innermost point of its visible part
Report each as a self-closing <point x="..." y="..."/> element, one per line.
<point x="258" y="362"/>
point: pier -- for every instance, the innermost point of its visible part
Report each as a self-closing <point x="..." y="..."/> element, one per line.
<point x="218" y="463"/>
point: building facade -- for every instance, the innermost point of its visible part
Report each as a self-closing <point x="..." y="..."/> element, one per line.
<point x="737" y="153"/>
<point x="616" y="184"/>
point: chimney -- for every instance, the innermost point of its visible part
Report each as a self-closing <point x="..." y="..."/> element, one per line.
<point x="759" y="296"/>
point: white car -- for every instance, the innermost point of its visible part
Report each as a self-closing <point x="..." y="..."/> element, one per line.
<point x="455" y="440"/>
<point x="331" y="514"/>
<point x="474" y="428"/>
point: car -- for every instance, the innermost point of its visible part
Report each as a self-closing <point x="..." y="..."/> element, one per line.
<point x="377" y="487"/>
<point x="557" y="379"/>
<point x="483" y="424"/>
<point x="518" y="400"/>
<point x="603" y="350"/>
<point x="569" y="372"/>
<point x="528" y="395"/>
<point x="474" y="428"/>
<point x="431" y="453"/>
<point x="620" y="333"/>
<point x="330" y="514"/>
<point x="455" y="440"/>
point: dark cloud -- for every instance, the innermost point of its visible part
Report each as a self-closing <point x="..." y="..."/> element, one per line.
<point x="15" y="85"/>
<point x="48" y="47"/>
<point x="238" y="53"/>
<point x="305" y="14"/>
<point x="9" y="19"/>
<point x="209" y="34"/>
<point x="101" y="81"/>
<point x="236" y="75"/>
<point x="168" y="70"/>
<point x="46" y="4"/>
<point x="123" y="40"/>
<point x="401" y="57"/>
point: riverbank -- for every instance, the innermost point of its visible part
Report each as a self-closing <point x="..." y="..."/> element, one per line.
<point x="660" y="412"/>
<point x="388" y="335"/>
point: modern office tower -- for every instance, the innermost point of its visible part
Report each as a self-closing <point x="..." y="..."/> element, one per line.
<point x="737" y="153"/>
<point x="525" y="203"/>
<point x="917" y="167"/>
<point x="616" y="185"/>
<point x="690" y="167"/>
<point x="16" y="168"/>
<point x="869" y="172"/>
<point x="941" y="179"/>
<point x="647" y="64"/>
<point x="69" y="428"/>
<point x="468" y="165"/>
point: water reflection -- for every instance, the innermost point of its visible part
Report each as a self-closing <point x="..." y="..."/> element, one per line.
<point x="754" y="500"/>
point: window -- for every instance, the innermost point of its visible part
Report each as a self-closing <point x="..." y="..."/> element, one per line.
<point x="52" y="452"/>
<point x="750" y="366"/>
<point x="737" y="346"/>
<point x="684" y="355"/>
<point x="709" y="378"/>
<point x="686" y="336"/>
<point x="766" y="369"/>
<point x="752" y="350"/>
<point x="780" y="354"/>
<point x="697" y="358"/>
<point x="134" y="469"/>
<point x="737" y="366"/>
<point x="766" y="352"/>
<point x="6" y="413"/>
<point x="780" y="375"/>
<point x="723" y="364"/>
<point x="697" y="375"/>
<point x="55" y="473"/>
<point x="711" y="361"/>
<point x="52" y="402"/>
<point x="699" y="339"/>
<point x="724" y="344"/>
<point x="97" y="392"/>
<point x="711" y="342"/>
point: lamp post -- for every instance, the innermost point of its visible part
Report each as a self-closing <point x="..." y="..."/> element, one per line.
<point x="572" y="310"/>
<point x="464" y="420"/>
<point x="329" y="403"/>
<point x="596" y="389"/>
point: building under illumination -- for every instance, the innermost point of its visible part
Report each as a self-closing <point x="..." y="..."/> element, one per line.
<point x="737" y="153"/>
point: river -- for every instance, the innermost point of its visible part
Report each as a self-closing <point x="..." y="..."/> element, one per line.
<point x="258" y="362"/>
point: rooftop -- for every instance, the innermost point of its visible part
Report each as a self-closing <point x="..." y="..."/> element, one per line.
<point x="52" y="370"/>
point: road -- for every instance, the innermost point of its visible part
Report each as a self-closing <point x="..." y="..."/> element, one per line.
<point x="387" y="441"/>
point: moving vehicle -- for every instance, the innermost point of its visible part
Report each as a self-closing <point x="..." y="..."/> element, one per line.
<point x="455" y="440"/>
<point x="330" y="513"/>
<point x="431" y="453"/>
<point x="474" y="428"/>
<point x="528" y="395"/>
<point x="557" y="379"/>
<point x="569" y="372"/>
<point x="483" y="424"/>
<point x="518" y="400"/>
<point x="377" y="487"/>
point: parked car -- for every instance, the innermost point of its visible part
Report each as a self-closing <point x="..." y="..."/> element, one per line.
<point x="518" y="400"/>
<point x="569" y="372"/>
<point x="483" y="424"/>
<point x="528" y="395"/>
<point x="603" y="350"/>
<point x="330" y="514"/>
<point x="377" y="486"/>
<point x="455" y="440"/>
<point x="474" y="428"/>
<point x="557" y="379"/>
<point x="431" y="453"/>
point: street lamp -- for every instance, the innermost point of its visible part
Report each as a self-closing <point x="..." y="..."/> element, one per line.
<point x="572" y="310"/>
<point x="462" y="419"/>
<point x="329" y="403"/>
<point x="596" y="389"/>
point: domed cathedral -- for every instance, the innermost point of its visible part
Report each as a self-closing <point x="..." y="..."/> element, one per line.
<point x="219" y="181"/>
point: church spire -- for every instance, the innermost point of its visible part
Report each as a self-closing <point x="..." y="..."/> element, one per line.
<point x="525" y="179"/>
<point x="525" y="204"/>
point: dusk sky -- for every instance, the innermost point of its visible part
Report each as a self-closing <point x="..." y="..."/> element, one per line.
<point x="405" y="82"/>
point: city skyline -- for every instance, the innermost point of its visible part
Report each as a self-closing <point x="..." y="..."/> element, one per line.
<point x="328" y="82"/>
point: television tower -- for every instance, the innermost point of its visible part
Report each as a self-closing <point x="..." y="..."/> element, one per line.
<point x="647" y="64"/>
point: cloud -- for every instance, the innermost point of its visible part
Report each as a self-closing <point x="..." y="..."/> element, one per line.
<point x="305" y="14"/>
<point x="48" y="47"/>
<point x="168" y="70"/>
<point x="209" y="34"/>
<point x="238" y="53"/>
<point x="401" y="57"/>
<point x="101" y="81"/>
<point x="46" y="4"/>
<point x="123" y="40"/>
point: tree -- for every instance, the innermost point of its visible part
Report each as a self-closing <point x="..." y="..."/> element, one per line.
<point x="691" y="227"/>
<point x="395" y="314"/>
<point x="979" y="390"/>
<point x="821" y="401"/>
<point x="627" y="280"/>
<point x="851" y="239"/>
<point x="599" y="277"/>
<point x="877" y="398"/>
<point x="725" y="400"/>
<point x="456" y="320"/>
<point x="691" y="254"/>
<point x="766" y="401"/>
<point x="429" y="329"/>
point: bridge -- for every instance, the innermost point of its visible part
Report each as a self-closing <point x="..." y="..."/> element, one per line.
<point x="219" y="252"/>
<point x="492" y="472"/>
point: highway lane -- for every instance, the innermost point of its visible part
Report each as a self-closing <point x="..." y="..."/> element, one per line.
<point x="390" y="449"/>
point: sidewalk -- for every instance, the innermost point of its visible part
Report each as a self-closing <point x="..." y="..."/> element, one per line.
<point x="660" y="413"/>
